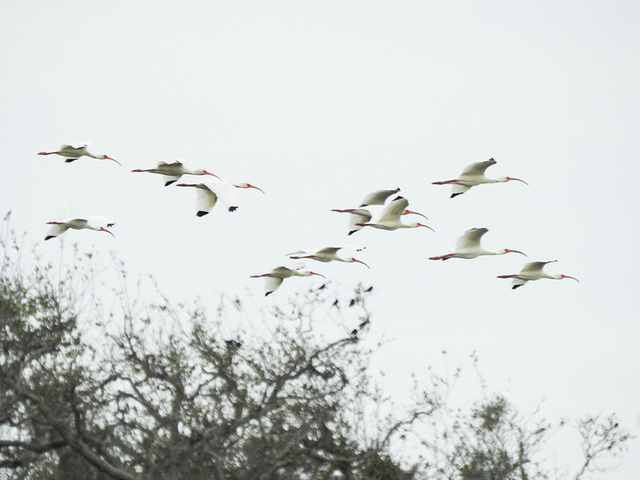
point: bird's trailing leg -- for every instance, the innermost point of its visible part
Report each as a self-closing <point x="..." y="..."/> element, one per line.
<point x="444" y="182"/>
<point x="443" y="257"/>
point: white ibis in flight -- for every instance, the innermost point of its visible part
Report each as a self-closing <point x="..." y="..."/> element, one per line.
<point x="390" y="217"/>
<point x="370" y="209"/>
<point x="533" y="271"/>
<point x="474" y="175"/>
<point x="76" y="150"/>
<point x="468" y="246"/>
<point x="90" y="222"/>
<point x="210" y="190"/>
<point x="172" y="171"/>
<point x="275" y="277"/>
<point x="328" y="254"/>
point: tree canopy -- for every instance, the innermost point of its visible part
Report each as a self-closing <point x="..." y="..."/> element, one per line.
<point x="155" y="390"/>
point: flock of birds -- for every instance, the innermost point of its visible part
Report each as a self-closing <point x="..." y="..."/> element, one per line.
<point x="382" y="209"/>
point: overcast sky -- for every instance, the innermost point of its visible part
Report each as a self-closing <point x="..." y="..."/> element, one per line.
<point x="321" y="103"/>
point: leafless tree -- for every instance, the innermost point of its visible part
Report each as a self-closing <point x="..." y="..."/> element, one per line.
<point x="157" y="391"/>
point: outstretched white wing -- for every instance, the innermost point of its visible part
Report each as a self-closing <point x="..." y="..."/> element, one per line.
<point x="271" y="284"/>
<point x="471" y="238"/>
<point x="478" y="168"/>
<point x="205" y="201"/>
<point x="378" y="198"/>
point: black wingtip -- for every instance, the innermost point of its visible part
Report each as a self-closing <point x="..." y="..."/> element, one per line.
<point x="69" y="160"/>
<point x="453" y="195"/>
<point x="268" y="293"/>
<point x="170" y="182"/>
<point x="201" y="213"/>
<point x="515" y="286"/>
<point x="233" y="209"/>
<point x="352" y="231"/>
<point x="49" y="237"/>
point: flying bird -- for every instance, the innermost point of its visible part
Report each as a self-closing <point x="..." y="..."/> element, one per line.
<point x="468" y="246"/>
<point x="390" y="217"/>
<point x="328" y="254"/>
<point x="90" y="222"/>
<point x="474" y="175"/>
<point x="76" y="150"/>
<point x="275" y="277"/>
<point x="533" y="271"/>
<point x="370" y="210"/>
<point x="210" y="190"/>
<point x="171" y="172"/>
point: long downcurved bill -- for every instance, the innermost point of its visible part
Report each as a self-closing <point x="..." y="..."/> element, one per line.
<point x="423" y="225"/>
<point x="360" y="261"/>
<point x="411" y="212"/>
<point x="573" y="278"/>
<point x="107" y="157"/>
<point x="253" y="186"/>
<point x="102" y="229"/>
<point x="508" y="250"/>
<point x="516" y="179"/>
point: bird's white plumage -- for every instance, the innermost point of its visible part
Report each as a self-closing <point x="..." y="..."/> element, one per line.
<point x="468" y="246"/>
<point x="533" y="271"/>
<point x="378" y="197"/>
<point x="369" y="210"/>
<point x="472" y="176"/>
<point x="477" y="169"/>
<point x="172" y="171"/>
<point x="73" y="151"/>
<point x="212" y="189"/>
<point x="89" y="222"/>
<point x="390" y="216"/>
<point x="275" y="277"/>
<point x="329" y="254"/>
<point x="471" y="238"/>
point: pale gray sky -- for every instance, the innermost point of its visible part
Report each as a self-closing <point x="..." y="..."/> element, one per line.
<point x="321" y="103"/>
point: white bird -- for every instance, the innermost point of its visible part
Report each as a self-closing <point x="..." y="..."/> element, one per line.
<point x="370" y="210"/>
<point x="76" y="150"/>
<point x="468" y="246"/>
<point x="210" y="190"/>
<point x="275" y="277"/>
<point x="171" y="172"/>
<point x="533" y="271"/>
<point x="474" y="175"/>
<point x="90" y="222"/>
<point x="390" y="217"/>
<point x="328" y="254"/>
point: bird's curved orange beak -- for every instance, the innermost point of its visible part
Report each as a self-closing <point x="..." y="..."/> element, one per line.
<point x="253" y="186"/>
<point x="411" y="212"/>
<point x="508" y="250"/>
<point x="107" y="157"/>
<point x="516" y="179"/>
<point x="427" y="226"/>
<point x="212" y="174"/>
<point x="105" y="230"/>
<point x="573" y="278"/>
<point x="360" y="261"/>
